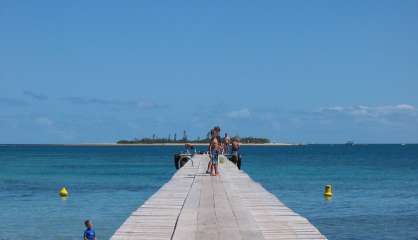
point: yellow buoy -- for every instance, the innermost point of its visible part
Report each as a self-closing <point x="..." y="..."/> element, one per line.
<point x="64" y="192"/>
<point x="328" y="191"/>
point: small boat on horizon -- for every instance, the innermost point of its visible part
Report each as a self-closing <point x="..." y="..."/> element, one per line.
<point x="349" y="143"/>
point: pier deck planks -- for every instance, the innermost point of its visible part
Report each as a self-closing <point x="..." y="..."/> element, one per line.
<point x="196" y="206"/>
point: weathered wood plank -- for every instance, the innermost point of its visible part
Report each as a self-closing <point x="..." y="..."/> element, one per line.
<point x="196" y="206"/>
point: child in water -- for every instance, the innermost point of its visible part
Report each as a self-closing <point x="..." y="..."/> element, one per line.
<point x="214" y="150"/>
<point x="89" y="233"/>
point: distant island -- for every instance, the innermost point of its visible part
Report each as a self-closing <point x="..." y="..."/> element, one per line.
<point x="156" y="140"/>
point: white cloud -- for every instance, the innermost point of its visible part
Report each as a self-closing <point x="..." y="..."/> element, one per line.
<point x="372" y="111"/>
<point x="406" y="107"/>
<point x="336" y="108"/>
<point x="36" y="96"/>
<point x="241" y="113"/>
<point x="141" y="104"/>
<point x="145" y="104"/>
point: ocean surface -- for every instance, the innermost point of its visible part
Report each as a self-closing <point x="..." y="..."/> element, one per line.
<point x="375" y="187"/>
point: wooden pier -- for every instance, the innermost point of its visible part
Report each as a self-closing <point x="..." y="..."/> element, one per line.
<point x="196" y="206"/>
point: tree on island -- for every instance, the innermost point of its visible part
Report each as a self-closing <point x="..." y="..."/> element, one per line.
<point x="184" y="136"/>
<point x="156" y="140"/>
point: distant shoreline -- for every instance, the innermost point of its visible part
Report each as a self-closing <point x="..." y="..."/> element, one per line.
<point x="147" y="144"/>
<point x="205" y="144"/>
<point x="182" y="144"/>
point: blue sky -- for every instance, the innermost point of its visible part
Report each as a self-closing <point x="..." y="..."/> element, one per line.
<point x="293" y="71"/>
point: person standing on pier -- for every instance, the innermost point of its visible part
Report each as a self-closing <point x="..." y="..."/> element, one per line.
<point x="214" y="133"/>
<point x="210" y="141"/>
<point x="236" y="155"/>
<point x="214" y="151"/>
<point x="225" y="144"/>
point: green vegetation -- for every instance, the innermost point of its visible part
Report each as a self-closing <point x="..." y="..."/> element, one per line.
<point x="255" y="140"/>
<point x="160" y="140"/>
<point x="184" y="139"/>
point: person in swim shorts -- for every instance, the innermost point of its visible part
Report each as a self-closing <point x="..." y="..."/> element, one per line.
<point x="214" y="151"/>
<point x="226" y="144"/>
<point x="214" y="133"/>
<point x="236" y="155"/>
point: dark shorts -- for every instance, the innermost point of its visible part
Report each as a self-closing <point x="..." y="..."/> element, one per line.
<point x="214" y="158"/>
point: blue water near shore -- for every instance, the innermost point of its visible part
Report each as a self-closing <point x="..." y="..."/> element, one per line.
<point x="375" y="187"/>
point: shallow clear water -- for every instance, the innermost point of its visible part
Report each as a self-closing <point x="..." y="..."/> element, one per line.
<point x="375" y="187"/>
<point x="105" y="185"/>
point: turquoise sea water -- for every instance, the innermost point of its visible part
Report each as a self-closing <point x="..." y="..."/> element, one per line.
<point x="375" y="187"/>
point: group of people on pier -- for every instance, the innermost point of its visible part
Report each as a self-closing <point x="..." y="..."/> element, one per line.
<point x="218" y="146"/>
